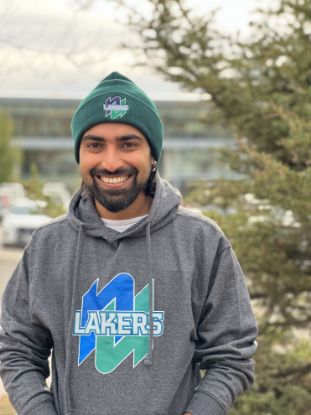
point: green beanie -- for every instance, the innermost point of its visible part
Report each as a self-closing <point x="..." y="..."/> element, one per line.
<point x="117" y="99"/>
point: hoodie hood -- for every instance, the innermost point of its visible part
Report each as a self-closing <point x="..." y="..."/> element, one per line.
<point x="82" y="213"/>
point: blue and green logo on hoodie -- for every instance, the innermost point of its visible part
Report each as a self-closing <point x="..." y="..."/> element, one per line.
<point x="115" y="323"/>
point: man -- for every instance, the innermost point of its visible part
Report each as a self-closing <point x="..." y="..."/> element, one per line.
<point x="133" y="293"/>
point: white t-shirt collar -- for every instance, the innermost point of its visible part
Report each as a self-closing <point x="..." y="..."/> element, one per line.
<point x="122" y="225"/>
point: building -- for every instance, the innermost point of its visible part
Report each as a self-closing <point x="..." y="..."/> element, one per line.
<point x="42" y="133"/>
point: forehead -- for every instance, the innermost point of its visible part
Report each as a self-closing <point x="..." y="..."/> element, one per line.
<point x="113" y="130"/>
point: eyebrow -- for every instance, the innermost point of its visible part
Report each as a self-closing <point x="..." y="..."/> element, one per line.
<point x="91" y="137"/>
<point x="126" y="137"/>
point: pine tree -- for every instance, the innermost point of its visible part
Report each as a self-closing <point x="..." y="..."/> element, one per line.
<point x="261" y="89"/>
<point x="6" y="152"/>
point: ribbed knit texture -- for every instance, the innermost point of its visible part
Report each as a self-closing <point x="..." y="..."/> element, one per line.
<point x="117" y="99"/>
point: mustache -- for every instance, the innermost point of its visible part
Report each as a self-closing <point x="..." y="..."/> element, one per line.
<point x="119" y="172"/>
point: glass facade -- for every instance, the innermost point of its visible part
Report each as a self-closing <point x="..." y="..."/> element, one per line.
<point x="42" y="132"/>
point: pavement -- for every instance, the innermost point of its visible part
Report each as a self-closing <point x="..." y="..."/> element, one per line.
<point x="8" y="261"/>
<point x="2" y="392"/>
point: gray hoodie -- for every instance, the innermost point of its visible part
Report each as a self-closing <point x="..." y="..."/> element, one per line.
<point x="131" y="318"/>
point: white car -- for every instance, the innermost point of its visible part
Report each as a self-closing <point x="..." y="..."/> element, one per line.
<point x="8" y="193"/>
<point x="22" y="219"/>
<point x="58" y="192"/>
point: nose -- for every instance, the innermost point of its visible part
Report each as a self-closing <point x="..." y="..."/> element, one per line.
<point x="111" y="160"/>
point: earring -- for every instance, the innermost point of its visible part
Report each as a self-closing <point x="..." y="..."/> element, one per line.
<point x="154" y="167"/>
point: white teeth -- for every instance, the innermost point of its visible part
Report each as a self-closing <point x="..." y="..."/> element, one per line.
<point x="113" y="180"/>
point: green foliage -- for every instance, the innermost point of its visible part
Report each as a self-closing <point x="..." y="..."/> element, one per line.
<point x="34" y="190"/>
<point x="7" y="155"/>
<point x="284" y="384"/>
<point x="261" y="89"/>
<point x="33" y="186"/>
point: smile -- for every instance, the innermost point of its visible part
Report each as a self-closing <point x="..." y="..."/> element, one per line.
<point x="112" y="180"/>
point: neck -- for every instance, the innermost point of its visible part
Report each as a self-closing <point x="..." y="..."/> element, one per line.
<point x="141" y="206"/>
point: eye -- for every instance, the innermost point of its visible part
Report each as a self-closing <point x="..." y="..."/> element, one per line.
<point x="94" y="145"/>
<point x="128" y="145"/>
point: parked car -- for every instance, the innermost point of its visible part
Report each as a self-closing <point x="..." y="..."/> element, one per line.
<point x="58" y="193"/>
<point x="4" y="205"/>
<point x="22" y="218"/>
<point x="8" y="193"/>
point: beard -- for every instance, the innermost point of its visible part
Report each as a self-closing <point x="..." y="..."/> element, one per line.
<point x="115" y="200"/>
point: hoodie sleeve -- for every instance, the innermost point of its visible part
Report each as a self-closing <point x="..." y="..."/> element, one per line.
<point x="24" y="349"/>
<point x="226" y="339"/>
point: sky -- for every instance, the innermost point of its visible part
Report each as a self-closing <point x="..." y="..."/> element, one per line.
<point x="63" y="48"/>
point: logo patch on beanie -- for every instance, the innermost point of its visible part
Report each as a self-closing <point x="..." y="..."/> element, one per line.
<point x="115" y="107"/>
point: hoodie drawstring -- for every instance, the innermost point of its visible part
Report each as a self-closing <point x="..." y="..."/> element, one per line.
<point x="71" y="314"/>
<point x="148" y="358"/>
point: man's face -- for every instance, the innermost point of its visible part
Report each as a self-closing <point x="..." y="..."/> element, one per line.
<point x="115" y="165"/>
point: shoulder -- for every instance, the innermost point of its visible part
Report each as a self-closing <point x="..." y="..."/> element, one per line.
<point x="195" y="218"/>
<point x="53" y="232"/>
<point x="54" y="225"/>
<point x="201" y="227"/>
